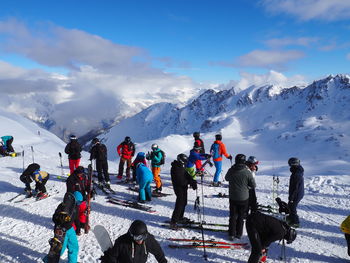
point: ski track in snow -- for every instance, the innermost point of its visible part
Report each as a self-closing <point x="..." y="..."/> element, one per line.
<point x="25" y="228"/>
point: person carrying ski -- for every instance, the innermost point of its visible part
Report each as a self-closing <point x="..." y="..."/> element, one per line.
<point x="180" y="179"/>
<point x="192" y="159"/>
<point x="73" y="149"/>
<point x="156" y="156"/>
<point x="7" y="144"/>
<point x="98" y="152"/>
<point x="240" y="180"/>
<point x="345" y="228"/>
<point x="198" y="142"/>
<point x="217" y="150"/>
<point x="33" y="173"/>
<point x="64" y="233"/>
<point x="264" y="229"/>
<point x="144" y="178"/>
<point x="78" y="182"/>
<point x="80" y="220"/>
<point x="140" y="158"/>
<point x="134" y="246"/>
<point x="252" y="164"/>
<point x="296" y="190"/>
<point x="126" y="151"/>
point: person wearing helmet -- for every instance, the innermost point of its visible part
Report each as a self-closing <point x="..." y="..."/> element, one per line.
<point x="240" y="180"/>
<point x="98" y="153"/>
<point x="126" y="151"/>
<point x="144" y="178"/>
<point x="73" y="149"/>
<point x="140" y="158"/>
<point x="217" y="150"/>
<point x="264" y="229"/>
<point x="252" y="164"/>
<point x="180" y="179"/>
<point x="134" y="246"/>
<point x="157" y="159"/>
<point x="194" y="156"/>
<point x="296" y="190"/>
<point x="78" y="182"/>
<point x="80" y="220"/>
<point x="198" y="142"/>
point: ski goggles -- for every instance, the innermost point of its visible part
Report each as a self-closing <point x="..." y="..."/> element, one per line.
<point x="139" y="237"/>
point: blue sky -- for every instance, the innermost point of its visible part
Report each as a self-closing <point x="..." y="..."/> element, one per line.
<point x="221" y="41"/>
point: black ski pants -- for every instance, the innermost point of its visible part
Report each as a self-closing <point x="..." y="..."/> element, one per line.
<point x="102" y="170"/>
<point x="293" y="215"/>
<point x="180" y="204"/>
<point x="238" y="210"/>
<point x="9" y="147"/>
<point x="255" y="242"/>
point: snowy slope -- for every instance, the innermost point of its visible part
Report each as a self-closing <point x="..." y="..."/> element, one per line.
<point x="26" y="228"/>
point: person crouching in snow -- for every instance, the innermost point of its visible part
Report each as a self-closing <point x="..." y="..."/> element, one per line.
<point x="82" y="208"/>
<point x="33" y="172"/>
<point x="140" y="158"/>
<point x="144" y="178"/>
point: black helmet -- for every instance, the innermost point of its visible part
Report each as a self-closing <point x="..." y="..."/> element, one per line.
<point x="154" y="146"/>
<point x="252" y="159"/>
<point x="218" y="137"/>
<point x="138" y="230"/>
<point x="196" y="134"/>
<point x="240" y="158"/>
<point x="182" y="158"/>
<point x="290" y="235"/>
<point x="95" y="140"/>
<point x="127" y="139"/>
<point x="293" y="161"/>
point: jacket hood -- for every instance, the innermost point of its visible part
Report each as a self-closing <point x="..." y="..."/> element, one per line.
<point x="297" y="168"/>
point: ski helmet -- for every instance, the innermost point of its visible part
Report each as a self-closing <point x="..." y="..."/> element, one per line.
<point x="141" y="155"/>
<point x="127" y="139"/>
<point x="138" y="230"/>
<point x="293" y="161"/>
<point x="218" y="137"/>
<point x="79" y="170"/>
<point x="95" y="140"/>
<point x="290" y="235"/>
<point x="196" y="147"/>
<point x="182" y="158"/>
<point x="240" y="158"/>
<point x="73" y="137"/>
<point x="154" y="146"/>
<point x="252" y="159"/>
<point x="196" y="134"/>
<point x="78" y="197"/>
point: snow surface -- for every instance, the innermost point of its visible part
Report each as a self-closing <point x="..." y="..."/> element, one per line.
<point x="26" y="228"/>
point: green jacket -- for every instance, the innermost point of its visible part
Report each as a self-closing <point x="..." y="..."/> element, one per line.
<point x="155" y="157"/>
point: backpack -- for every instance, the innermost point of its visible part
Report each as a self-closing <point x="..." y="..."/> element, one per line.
<point x="214" y="150"/>
<point x="162" y="161"/>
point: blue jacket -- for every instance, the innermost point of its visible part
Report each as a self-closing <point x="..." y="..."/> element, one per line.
<point x="143" y="174"/>
<point x="194" y="156"/>
<point x="296" y="184"/>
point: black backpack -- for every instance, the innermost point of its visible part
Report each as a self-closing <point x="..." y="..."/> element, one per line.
<point x="162" y="161"/>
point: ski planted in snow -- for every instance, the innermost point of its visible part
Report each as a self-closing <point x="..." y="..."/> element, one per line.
<point x="87" y="223"/>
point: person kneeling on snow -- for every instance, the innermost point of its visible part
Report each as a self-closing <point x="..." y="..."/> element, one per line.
<point x="134" y="246"/>
<point x="82" y="208"/>
<point x="7" y="144"/>
<point x="144" y="178"/>
<point x="262" y="231"/>
<point x="33" y="172"/>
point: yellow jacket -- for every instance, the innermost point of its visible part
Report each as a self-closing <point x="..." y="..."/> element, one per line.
<point x="39" y="176"/>
<point x="345" y="226"/>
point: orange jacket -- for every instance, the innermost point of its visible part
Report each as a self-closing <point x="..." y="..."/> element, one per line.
<point x="222" y="151"/>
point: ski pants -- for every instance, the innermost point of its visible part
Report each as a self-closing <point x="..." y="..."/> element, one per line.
<point x="255" y="242"/>
<point x="73" y="164"/>
<point x="180" y="204"/>
<point x="121" y="167"/>
<point x="145" y="192"/>
<point x="218" y="167"/>
<point x="156" y="176"/>
<point x="39" y="186"/>
<point x="293" y="215"/>
<point x="102" y="167"/>
<point x="238" y="210"/>
<point x="71" y="243"/>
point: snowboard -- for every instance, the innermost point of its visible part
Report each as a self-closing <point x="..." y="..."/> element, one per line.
<point x="103" y="238"/>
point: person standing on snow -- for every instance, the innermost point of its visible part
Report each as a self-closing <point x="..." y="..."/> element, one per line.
<point x="252" y="164"/>
<point x="195" y="155"/>
<point x="98" y="152"/>
<point x="134" y="246"/>
<point x="156" y="156"/>
<point x="140" y="158"/>
<point x="78" y="182"/>
<point x="198" y="142"/>
<point x="180" y="179"/>
<point x="144" y="178"/>
<point x="296" y="190"/>
<point x="73" y="149"/>
<point x="240" y="181"/>
<point x="33" y="172"/>
<point x="217" y="150"/>
<point x="80" y="220"/>
<point x="126" y="151"/>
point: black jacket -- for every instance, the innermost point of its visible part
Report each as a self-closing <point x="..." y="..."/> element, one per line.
<point x="98" y="152"/>
<point x="125" y="250"/>
<point x="296" y="184"/>
<point x="76" y="183"/>
<point x="179" y="176"/>
<point x="73" y="150"/>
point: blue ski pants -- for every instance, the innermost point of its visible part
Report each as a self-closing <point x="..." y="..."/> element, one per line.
<point x="218" y="166"/>
<point x="71" y="243"/>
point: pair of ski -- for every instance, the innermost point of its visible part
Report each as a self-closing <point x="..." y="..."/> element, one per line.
<point x="219" y="195"/>
<point x="197" y="225"/>
<point x="211" y="243"/>
<point x="154" y="193"/>
<point x="26" y="199"/>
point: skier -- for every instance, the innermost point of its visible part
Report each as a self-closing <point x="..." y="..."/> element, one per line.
<point x="195" y="155"/>
<point x="7" y="144"/>
<point x="98" y="152"/>
<point x="73" y="149"/>
<point x="78" y="182"/>
<point x="180" y="179"/>
<point x="140" y="158"/>
<point x="82" y="209"/>
<point x="345" y="228"/>
<point x="240" y="180"/>
<point x="296" y="190"/>
<point x="262" y="231"/>
<point x="156" y="156"/>
<point x="217" y="150"/>
<point x="252" y="164"/>
<point x="144" y="179"/>
<point x="134" y="246"/>
<point x="126" y="151"/>
<point x="198" y="142"/>
<point x="33" y="172"/>
<point x="64" y="233"/>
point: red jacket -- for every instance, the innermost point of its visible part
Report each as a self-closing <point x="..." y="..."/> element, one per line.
<point x="126" y="150"/>
<point x="82" y="215"/>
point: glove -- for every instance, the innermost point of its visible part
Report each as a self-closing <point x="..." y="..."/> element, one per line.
<point x="290" y="203"/>
<point x="230" y="157"/>
<point x="194" y="185"/>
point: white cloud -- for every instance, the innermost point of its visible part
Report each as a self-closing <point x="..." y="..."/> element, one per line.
<point x="287" y="41"/>
<point x="329" y="10"/>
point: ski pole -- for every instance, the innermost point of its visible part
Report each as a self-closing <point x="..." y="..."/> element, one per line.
<point x="32" y="152"/>
<point x="23" y="158"/>
<point x="60" y="155"/>
<point x="283" y="251"/>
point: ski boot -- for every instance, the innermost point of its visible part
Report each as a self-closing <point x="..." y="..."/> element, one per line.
<point x="29" y="193"/>
<point x="108" y="185"/>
